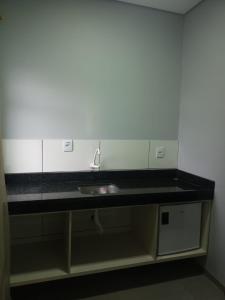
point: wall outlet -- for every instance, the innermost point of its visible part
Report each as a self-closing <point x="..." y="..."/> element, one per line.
<point x="67" y="145"/>
<point x="160" y="152"/>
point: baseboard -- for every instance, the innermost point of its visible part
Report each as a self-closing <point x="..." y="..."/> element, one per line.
<point x="217" y="283"/>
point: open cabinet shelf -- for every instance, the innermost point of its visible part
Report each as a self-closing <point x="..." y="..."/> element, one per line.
<point x="127" y="240"/>
<point x="60" y="245"/>
<point x="182" y="255"/>
<point x="107" y="252"/>
<point x="39" y="246"/>
<point x="37" y="261"/>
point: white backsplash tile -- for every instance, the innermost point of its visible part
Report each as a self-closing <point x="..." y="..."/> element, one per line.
<point x="55" y="160"/>
<point x="124" y="154"/>
<point x="171" y="154"/>
<point x="22" y="156"/>
<point x="28" y="156"/>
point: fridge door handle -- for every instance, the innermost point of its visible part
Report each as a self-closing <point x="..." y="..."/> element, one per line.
<point x="165" y="218"/>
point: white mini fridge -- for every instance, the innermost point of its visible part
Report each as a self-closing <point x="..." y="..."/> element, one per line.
<point x="179" y="228"/>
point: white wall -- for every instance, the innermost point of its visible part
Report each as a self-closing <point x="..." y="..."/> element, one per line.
<point x="89" y="69"/>
<point x="202" y="114"/>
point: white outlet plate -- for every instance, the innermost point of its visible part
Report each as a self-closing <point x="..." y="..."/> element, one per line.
<point x="160" y="152"/>
<point x="67" y="145"/>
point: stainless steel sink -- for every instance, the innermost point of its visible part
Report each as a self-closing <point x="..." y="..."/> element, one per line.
<point x="99" y="189"/>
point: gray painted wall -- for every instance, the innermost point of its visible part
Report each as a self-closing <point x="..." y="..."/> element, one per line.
<point x="202" y="114"/>
<point x="89" y="69"/>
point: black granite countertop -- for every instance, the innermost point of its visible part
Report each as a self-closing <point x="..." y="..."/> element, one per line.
<point x="49" y="192"/>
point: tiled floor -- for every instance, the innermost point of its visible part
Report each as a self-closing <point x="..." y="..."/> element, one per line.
<point x="182" y="280"/>
<point x="191" y="288"/>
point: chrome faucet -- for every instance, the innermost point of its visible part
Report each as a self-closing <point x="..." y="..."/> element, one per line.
<point x="94" y="165"/>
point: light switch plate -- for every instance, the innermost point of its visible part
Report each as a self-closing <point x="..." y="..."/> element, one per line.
<point x="67" y="145"/>
<point x="160" y="152"/>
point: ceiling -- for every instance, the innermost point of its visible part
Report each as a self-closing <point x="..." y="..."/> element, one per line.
<point x="176" y="6"/>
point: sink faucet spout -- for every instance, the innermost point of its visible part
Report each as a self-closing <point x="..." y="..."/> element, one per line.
<point x="94" y="165"/>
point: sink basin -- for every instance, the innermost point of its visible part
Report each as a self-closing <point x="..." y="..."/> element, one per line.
<point x="99" y="189"/>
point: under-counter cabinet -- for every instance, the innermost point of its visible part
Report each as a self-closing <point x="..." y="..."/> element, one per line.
<point x="39" y="247"/>
<point x="65" y="244"/>
<point x="127" y="237"/>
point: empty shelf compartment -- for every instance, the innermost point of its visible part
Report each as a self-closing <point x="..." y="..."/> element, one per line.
<point x="38" y="248"/>
<point x="127" y="239"/>
<point x="35" y="262"/>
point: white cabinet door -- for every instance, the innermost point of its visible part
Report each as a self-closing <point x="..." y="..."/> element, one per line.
<point x="179" y="228"/>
